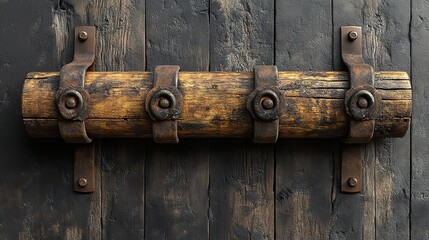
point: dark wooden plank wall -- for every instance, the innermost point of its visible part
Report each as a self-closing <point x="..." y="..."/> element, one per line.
<point x="212" y="189"/>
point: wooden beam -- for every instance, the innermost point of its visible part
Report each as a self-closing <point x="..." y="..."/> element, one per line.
<point x="214" y="104"/>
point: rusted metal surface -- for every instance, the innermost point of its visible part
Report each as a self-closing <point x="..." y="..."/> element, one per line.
<point x="351" y="176"/>
<point x="265" y="104"/>
<point x="71" y="98"/>
<point x="362" y="104"/>
<point x="164" y="103"/>
<point x="84" y="168"/>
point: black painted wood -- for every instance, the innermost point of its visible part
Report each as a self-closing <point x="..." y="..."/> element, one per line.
<point x="241" y="173"/>
<point x="420" y="126"/>
<point x="37" y="200"/>
<point x="177" y="177"/>
<point x="304" y="169"/>
<point x="217" y="189"/>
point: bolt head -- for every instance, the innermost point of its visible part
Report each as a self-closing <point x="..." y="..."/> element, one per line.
<point x="267" y="103"/>
<point x="164" y="103"/>
<point x="82" y="182"/>
<point x="83" y="36"/>
<point x="353" y="35"/>
<point x="71" y="103"/>
<point x="362" y="102"/>
<point x="352" y="182"/>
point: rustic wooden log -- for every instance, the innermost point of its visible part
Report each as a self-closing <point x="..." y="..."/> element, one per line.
<point x="214" y="104"/>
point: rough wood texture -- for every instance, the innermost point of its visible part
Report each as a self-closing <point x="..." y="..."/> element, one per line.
<point x="214" y="104"/>
<point x="241" y="173"/>
<point x="420" y="127"/>
<point x="177" y="176"/>
<point x="304" y="168"/>
<point x="37" y="200"/>
<point x="385" y="198"/>
<point x="121" y="47"/>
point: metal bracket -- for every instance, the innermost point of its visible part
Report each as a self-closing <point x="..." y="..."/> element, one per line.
<point x="164" y="104"/>
<point x="362" y="104"/>
<point x="72" y="102"/>
<point x="265" y="104"/>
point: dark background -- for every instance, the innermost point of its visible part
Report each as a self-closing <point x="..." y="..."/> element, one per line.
<point x="217" y="189"/>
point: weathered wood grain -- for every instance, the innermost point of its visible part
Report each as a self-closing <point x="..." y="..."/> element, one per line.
<point x="177" y="175"/>
<point x="386" y="167"/>
<point x="214" y="104"/>
<point x="121" y="47"/>
<point x="304" y="168"/>
<point x="420" y="126"/>
<point x="37" y="200"/>
<point x="241" y="173"/>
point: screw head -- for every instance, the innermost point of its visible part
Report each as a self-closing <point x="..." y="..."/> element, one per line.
<point x="352" y="182"/>
<point x="71" y="103"/>
<point x="164" y="103"/>
<point x="353" y="35"/>
<point x="83" y="36"/>
<point x="362" y="102"/>
<point x="267" y="103"/>
<point x="82" y="182"/>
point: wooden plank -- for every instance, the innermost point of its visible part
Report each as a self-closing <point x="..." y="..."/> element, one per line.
<point x="386" y="196"/>
<point x="420" y="126"/>
<point x="392" y="162"/>
<point x="36" y="177"/>
<point x="121" y="47"/>
<point x="303" y="168"/>
<point x="353" y="214"/>
<point x="241" y="173"/>
<point x="177" y="175"/>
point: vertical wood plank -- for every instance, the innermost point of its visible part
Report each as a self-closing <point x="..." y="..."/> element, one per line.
<point x="121" y="47"/>
<point x="420" y="125"/>
<point x="387" y="187"/>
<point x="304" y="168"/>
<point x="241" y="173"/>
<point x="36" y="176"/>
<point x="389" y="42"/>
<point x="177" y="175"/>
<point x="353" y="214"/>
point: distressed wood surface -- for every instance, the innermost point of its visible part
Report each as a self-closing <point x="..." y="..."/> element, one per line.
<point x="37" y="200"/>
<point x="121" y="47"/>
<point x="304" y="171"/>
<point x="420" y="127"/>
<point x="220" y="188"/>
<point x="214" y="104"/>
<point x="241" y="173"/>
<point x="177" y="176"/>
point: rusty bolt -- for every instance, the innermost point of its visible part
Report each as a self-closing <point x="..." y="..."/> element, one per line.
<point x="352" y="182"/>
<point x="362" y="102"/>
<point x="267" y="103"/>
<point x="83" y="36"/>
<point x="82" y="182"/>
<point x="353" y="35"/>
<point x="164" y="103"/>
<point x="71" y="103"/>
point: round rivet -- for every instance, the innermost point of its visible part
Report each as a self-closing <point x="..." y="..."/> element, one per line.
<point x="267" y="103"/>
<point x="362" y="102"/>
<point x="83" y="36"/>
<point x="352" y="182"/>
<point x="164" y="103"/>
<point x="353" y="35"/>
<point x="71" y="103"/>
<point x="82" y="182"/>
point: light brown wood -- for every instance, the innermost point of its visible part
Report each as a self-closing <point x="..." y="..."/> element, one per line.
<point x="214" y="104"/>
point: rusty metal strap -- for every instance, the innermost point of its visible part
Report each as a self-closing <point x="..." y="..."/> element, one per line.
<point x="72" y="99"/>
<point x="362" y="104"/>
<point x="164" y="103"/>
<point x="265" y="104"/>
